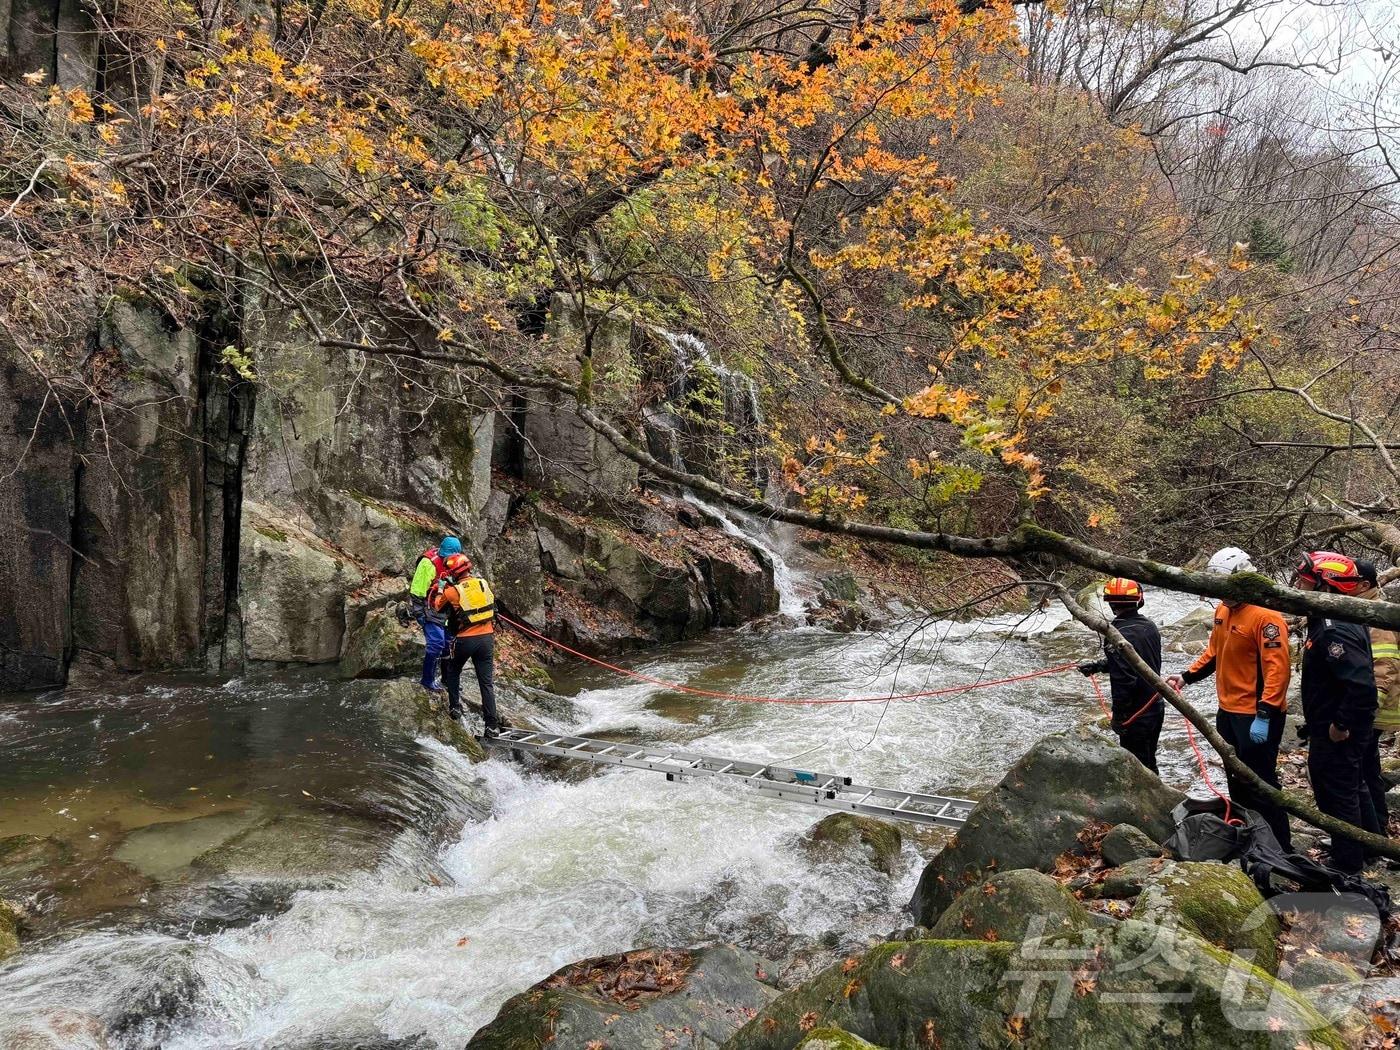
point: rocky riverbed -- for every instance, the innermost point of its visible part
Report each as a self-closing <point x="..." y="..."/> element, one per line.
<point x="290" y="860"/>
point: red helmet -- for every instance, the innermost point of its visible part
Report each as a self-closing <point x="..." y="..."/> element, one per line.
<point x="1334" y="572"/>
<point x="456" y="564"/>
<point x="1121" y="590"/>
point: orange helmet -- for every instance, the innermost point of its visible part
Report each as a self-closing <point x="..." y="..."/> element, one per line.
<point x="1334" y="572"/>
<point x="457" y="564"/>
<point x="1121" y="590"/>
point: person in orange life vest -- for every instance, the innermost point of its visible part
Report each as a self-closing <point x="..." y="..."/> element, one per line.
<point x="470" y="609"/>
<point x="1248" y="655"/>
<point x="1138" y="710"/>
<point x="427" y="572"/>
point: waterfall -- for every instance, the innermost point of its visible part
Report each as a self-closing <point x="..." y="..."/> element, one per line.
<point x="786" y="580"/>
<point x="740" y="394"/>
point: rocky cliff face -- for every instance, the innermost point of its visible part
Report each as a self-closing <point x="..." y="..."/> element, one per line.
<point x="205" y="495"/>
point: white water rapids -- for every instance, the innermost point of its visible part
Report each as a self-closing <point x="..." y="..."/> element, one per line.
<point x="564" y="869"/>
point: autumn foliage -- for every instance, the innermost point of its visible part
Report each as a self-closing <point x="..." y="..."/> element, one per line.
<point x="767" y="173"/>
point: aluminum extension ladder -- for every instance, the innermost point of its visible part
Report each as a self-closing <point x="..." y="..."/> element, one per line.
<point x="827" y="790"/>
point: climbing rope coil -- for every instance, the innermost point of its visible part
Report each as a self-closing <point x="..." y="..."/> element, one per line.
<point x="955" y="690"/>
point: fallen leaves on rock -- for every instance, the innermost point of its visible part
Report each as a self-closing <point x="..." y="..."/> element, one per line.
<point x="630" y="977"/>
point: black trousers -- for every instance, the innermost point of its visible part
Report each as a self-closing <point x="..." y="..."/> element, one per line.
<point x="1376" y="786"/>
<point x="480" y="649"/>
<point x="1141" y="734"/>
<point x="1335" y="772"/>
<point x="1263" y="759"/>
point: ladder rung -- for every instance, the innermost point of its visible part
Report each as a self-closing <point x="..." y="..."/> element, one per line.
<point x="824" y="790"/>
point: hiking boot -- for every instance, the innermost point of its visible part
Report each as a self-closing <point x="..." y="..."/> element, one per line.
<point x="492" y="729"/>
<point x="454" y="713"/>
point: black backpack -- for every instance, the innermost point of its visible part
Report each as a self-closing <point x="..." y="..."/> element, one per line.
<point x="1202" y="834"/>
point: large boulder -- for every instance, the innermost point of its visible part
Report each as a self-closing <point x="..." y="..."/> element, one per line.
<point x="1129" y="985"/>
<point x="1012" y="906"/>
<point x="293" y="587"/>
<point x="407" y="707"/>
<point x="375" y="644"/>
<point x="652" y="999"/>
<point x="845" y="833"/>
<point x="740" y="580"/>
<point x="1217" y="901"/>
<point x="1037" y="812"/>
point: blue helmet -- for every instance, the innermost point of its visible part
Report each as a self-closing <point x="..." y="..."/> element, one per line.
<point x="450" y="545"/>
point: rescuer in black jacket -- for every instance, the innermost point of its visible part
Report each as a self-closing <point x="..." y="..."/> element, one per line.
<point x="1137" y="708"/>
<point x="1339" y="705"/>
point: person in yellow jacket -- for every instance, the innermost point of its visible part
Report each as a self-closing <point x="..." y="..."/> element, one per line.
<point x="1385" y="653"/>
<point x="1248" y="655"/>
<point x="470" y="609"/>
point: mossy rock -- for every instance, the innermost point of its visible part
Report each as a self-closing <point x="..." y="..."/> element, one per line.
<point x="1130" y="986"/>
<point x="407" y="707"/>
<point x="846" y="831"/>
<point x="834" y="1039"/>
<point x="376" y="645"/>
<point x="1125" y="843"/>
<point x="1218" y="902"/>
<point x="1128" y="881"/>
<point x="1011" y="906"/>
<point x="1063" y="784"/>
<point x="1312" y="971"/>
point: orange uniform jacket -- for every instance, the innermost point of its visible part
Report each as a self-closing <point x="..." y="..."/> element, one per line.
<point x="450" y="596"/>
<point x="1248" y="654"/>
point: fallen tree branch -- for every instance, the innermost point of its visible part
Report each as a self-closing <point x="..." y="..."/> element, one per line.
<point x="1289" y="801"/>
<point x="1252" y="587"/>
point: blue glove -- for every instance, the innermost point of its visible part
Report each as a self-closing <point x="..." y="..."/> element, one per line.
<point x="1259" y="730"/>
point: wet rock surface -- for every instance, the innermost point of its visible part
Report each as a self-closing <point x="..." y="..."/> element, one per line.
<point x="652" y="999"/>
<point x="853" y="835"/>
<point x="409" y="708"/>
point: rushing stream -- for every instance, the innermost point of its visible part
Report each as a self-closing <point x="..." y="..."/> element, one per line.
<point x="385" y="892"/>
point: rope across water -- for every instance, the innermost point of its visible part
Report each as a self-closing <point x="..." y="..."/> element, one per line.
<point x="743" y="698"/>
<point x="951" y="690"/>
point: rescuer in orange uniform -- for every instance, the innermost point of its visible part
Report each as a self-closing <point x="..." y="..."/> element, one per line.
<point x="1248" y="654"/>
<point x="470" y="610"/>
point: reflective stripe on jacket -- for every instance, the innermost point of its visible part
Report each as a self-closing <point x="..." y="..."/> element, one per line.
<point x="1385" y="651"/>
<point x="1248" y="654"/>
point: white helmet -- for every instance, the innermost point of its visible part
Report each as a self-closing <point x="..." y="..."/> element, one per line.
<point x="1228" y="560"/>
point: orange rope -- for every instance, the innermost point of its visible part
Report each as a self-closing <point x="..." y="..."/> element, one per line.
<point x="1205" y="773"/>
<point x="805" y="701"/>
<point x="1190" y="735"/>
<point x="945" y="691"/>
